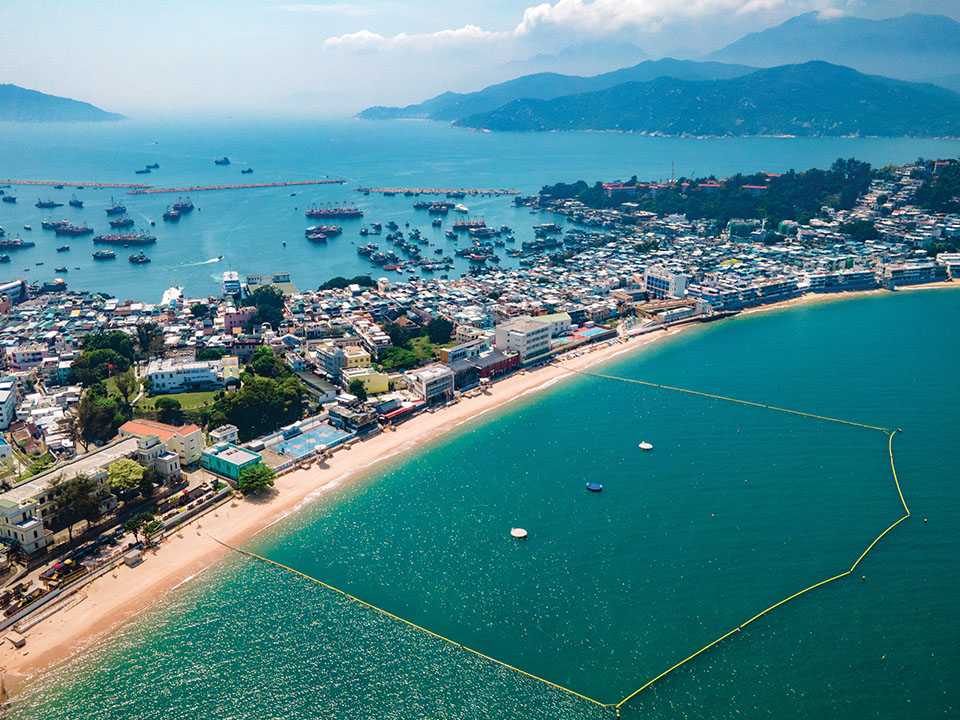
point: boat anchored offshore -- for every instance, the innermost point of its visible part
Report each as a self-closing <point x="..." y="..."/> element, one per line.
<point x="594" y="487"/>
<point x="518" y="533"/>
<point x="139" y="258"/>
<point x="48" y="204"/>
<point x="104" y="255"/>
<point x="116" y="209"/>
<point x="645" y="446"/>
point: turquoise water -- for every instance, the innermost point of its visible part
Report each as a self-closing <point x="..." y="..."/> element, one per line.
<point x="734" y="509"/>
<point x="248" y="227"/>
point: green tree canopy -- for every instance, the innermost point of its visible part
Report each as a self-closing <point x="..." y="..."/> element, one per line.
<point x="136" y="523"/>
<point x="169" y="408"/>
<point x="265" y="363"/>
<point x="98" y="417"/>
<point x="338" y="282"/>
<point x="92" y="366"/>
<point x="210" y="353"/>
<point x="357" y="388"/>
<point x="268" y="300"/>
<point x="146" y="332"/>
<point x="395" y="358"/>
<point x="123" y="475"/>
<point x="75" y="500"/>
<point x="261" y="405"/>
<point x="200" y="310"/>
<point x="256" y="479"/>
<point x="440" y="330"/>
<point x="115" y="340"/>
<point x="126" y="384"/>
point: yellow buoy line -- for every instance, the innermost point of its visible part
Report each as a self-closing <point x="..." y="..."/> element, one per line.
<point x="616" y="706"/>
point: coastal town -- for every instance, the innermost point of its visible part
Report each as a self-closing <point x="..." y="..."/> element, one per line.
<point x="125" y="420"/>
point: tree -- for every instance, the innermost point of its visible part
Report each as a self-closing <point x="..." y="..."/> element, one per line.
<point x="115" y="340"/>
<point x="123" y="475"/>
<point x="358" y="388"/>
<point x="268" y="300"/>
<point x="92" y="366"/>
<point x="137" y="523"/>
<point x="210" y="353"/>
<point x="261" y="405"/>
<point x="158" y="348"/>
<point x="265" y="363"/>
<point x="255" y="479"/>
<point x="98" y="417"/>
<point x="146" y="332"/>
<point x="70" y="427"/>
<point x="200" y="310"/>
<point x="395" y="358"/>
<point x="439" y="330"/>
<point x="340" y="282"/>
<point x="169" y="408"/>
<point x="126" y="384"/>
<point x="75" y="500"/>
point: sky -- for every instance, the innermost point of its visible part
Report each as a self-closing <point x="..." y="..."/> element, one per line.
<point x="172" y="58"/>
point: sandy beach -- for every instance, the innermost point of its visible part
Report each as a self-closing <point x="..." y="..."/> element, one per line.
<point x="115" y="598"/>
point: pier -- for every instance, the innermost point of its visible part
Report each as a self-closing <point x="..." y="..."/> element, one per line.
<point x="435" y="191"/>
<point x="55" y="183"/>
<point x="147" y="190"/>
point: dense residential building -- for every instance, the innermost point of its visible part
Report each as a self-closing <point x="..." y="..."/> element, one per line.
<point x="661" y="283"/>
<point x="173" y="375"/>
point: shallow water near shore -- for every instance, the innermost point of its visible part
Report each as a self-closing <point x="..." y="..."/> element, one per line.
<point x="735" y="509"/>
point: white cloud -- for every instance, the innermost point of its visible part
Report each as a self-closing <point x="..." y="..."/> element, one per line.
<point x="590" y="18"/>
<point x="364" y="39"/>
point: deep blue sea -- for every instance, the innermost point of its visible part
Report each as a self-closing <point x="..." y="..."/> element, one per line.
<point x="736" y="508"/>
<point x="249" y="227"/>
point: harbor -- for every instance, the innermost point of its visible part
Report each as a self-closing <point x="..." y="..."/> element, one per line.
<point x="147" y="190"/>
<point x="448" y="192"/>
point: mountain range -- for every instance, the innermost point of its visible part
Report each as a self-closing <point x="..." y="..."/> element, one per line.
<point x="547" y="86"/>
<point x="19" y="104"/>
<point x="809" y="99"/>
<point x="910" y="47"/>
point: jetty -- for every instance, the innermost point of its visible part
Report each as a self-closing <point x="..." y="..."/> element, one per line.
<point x="435" y="191"/>
<point x="55" y="183"/>
<point x="147" y="190"/>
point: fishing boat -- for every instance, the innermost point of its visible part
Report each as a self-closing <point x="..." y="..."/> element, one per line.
<point x="53" y="224"/>
<point x="144" y="171"/>
<point x="4" y="258"/>
<point x="63" y="248"/>
<point x="74" y="230"/>
<point x="60" y="269"/>
<point x="75" y="203"/>
<point x="153" y="166"/>
<point x="139" y="258"/>
<point x="122" y="222"/>
<point x="328" y="230"/>
<point x="183" y="206"/>
<point x="461" y="208"/>
<point x="171" y="215"/>
<point x="246" y="171"/>
<point x="594" y="487"/>
<point x="437" y="222"/>
<point x="334" y="211"/>
<point x="222" y="161"/>
<point x="116" y="208"/>
<point x="15" y="244"/>
<point x="28" y="227"/>
<point x="104" y="255"/>
<point x="48" y="203"/>
<point x="124" y="240"/>
<point x="9" y="198"/>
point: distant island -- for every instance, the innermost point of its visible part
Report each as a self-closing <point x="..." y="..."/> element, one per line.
<point x="814" y="99"/>
<point x="451" y="106"/>
<point x="19" y="104"/>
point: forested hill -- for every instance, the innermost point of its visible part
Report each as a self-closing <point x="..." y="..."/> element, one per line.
<point x="812" y="99"/>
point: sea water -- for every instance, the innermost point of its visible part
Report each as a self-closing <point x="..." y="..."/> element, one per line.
<point x="736" y="508"/>
<point x="261" y="231"/>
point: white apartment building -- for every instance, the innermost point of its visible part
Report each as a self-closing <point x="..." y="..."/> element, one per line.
<point x="524" y="335"/>
<point x="432" y="382"/>
<point x="662" y="283"/>
<point x="18" y="522"/>
<point x="24" y="357"/>
<point x="173" y="375"/>
<point x="8" y="403"/>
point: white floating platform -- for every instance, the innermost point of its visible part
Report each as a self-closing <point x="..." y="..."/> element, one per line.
<point x="518" y="533"/>
<point x="645" y="446"/>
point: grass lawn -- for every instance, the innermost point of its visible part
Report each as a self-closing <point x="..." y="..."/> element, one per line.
<point x="188" y="401"/>
<point x="423" y="347"/>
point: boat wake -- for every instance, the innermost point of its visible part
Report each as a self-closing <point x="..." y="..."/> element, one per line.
<point x="203" y="262"/>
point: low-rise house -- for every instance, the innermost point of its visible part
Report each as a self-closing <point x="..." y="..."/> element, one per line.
<point x="186" y="441"/>
<point x="373" y="382"/>
<point x="174" y="375"/>
<point x="224" y="434"/>
<point x="228" y="460"/>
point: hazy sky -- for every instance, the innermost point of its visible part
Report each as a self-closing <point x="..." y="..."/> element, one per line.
<point x="176" y="57"/>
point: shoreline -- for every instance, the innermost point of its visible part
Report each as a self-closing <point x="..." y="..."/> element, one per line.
<point x="112" y="600"/>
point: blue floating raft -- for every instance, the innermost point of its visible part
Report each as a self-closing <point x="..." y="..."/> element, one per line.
<point x="594" y="487"/>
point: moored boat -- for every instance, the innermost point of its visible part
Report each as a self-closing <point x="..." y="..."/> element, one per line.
<point x="222" y="161"/>
<point x="104" y="255"/>
<point x="138" y="258"/>
<point x="48" y="203"/>
<point x="63" y="248"/>
<point x="122" y="222"/>
<point x="116" y="208"/>
<point x="75" y="203"/>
